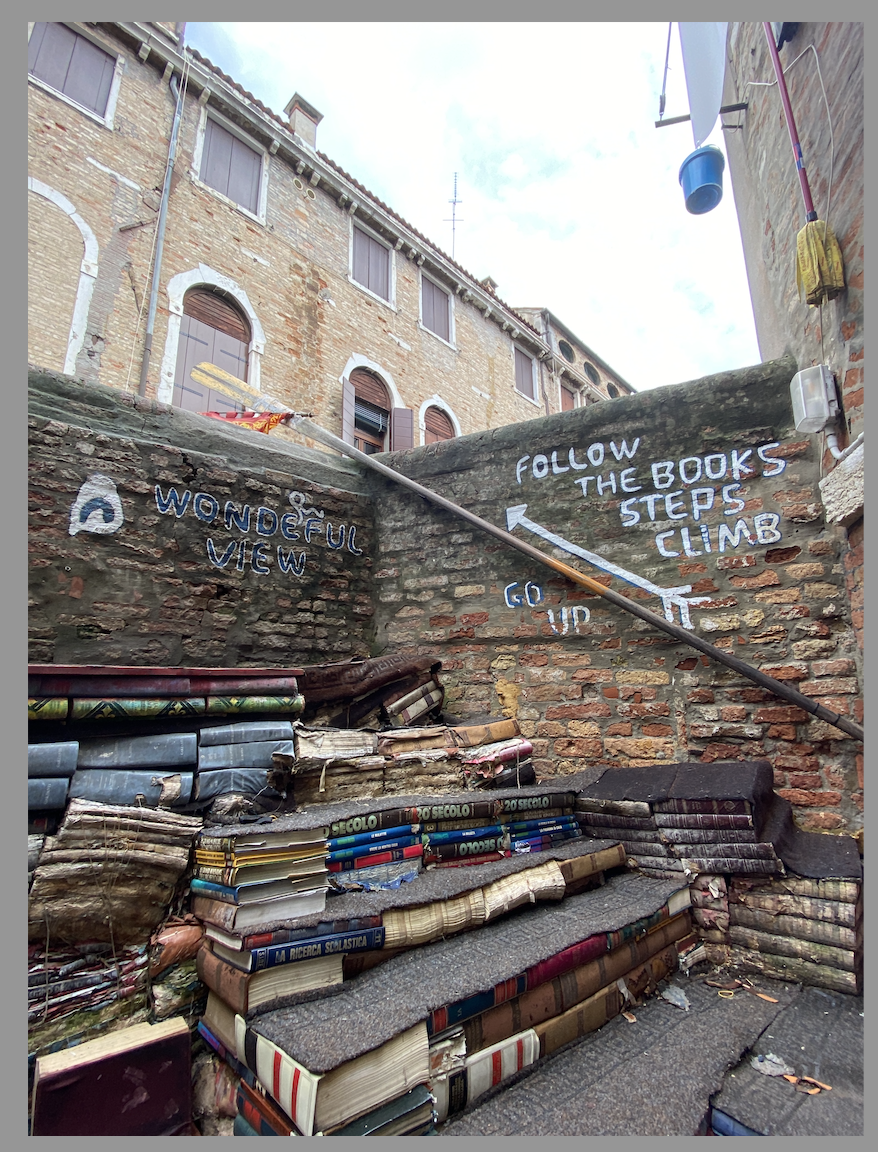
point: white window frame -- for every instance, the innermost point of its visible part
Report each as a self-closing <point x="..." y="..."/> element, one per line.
<point x="435" y="401"/>
<point x="234" y="130"/>
<point x="451" y="342"/>
<point x="391" y="254"/>
<point x="106" y="121"/>
<point x="533" y="365"/>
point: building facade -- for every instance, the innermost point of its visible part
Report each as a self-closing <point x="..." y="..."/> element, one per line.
<point x="174" y="220"/>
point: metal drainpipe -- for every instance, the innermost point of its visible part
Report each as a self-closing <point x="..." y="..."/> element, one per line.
<point x="160" y="236"/>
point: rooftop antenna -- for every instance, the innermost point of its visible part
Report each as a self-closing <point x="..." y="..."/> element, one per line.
<point x="454" y="203"/>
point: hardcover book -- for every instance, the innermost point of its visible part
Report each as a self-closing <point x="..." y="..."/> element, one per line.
<point x="257" y="892"/>
<point x="318" y="1101"/>
<point x="239" y="917"/>
<point x="330" y="944"/>
<point x="54" y="760"/>
<point x="245" y="732"/>
<point x="250" y="940"/>
<point x="140" y="1076"/>
<point x="244" y="991"/>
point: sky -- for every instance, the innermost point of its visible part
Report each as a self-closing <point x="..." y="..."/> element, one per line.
<point x="568" y="194"/>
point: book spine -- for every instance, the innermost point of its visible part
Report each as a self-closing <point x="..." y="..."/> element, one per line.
<point x="263" y="1116"/>
<point x="230" y="705"/>
<point x="243" y="686"/>
<point x="436" y="862"/>
<point x="224" y="1054"/>
<point x="217" y="912"/>
<point x="286" y="1081"/>
<point x="467" y="849"/>
<point x="737" y="864"/>
<point x="546" y="824"/>
<point x="486" y="811"/>
<point x="702" y="820"/>
<point x="695" y="807"/>
<point x="493" y="733"/>
<point x="812" y="908"/>
<point x="366" y="850"/>
<point x="566" y="960"/>
<point x="213" y="890"/>
<point x="458" y="1011"/>
<point x="459" y="835"/>
<point x="609" y="820"/>
<point x="229" y="983"/>
<point x="53" y="760"/>
<point x="358" y="838"/>
<point x="410" y="853"/>
<point x="485" y="1070"/>
<point x="845" y="891"/>
<point x="252" y="754"/>
<point x="639" y="808"/>
<point x="795" y="927"/>
<point x="847" y="959"/>
<point x="277" y="954"/>
<point x="709" y="835"/>
<point x="288" y="935"/>
<point x="419" y="707"/>
<point x="728" y="852"/>
<point x="797" y="971"/>
<point x="140" y="752"/>
<point x="531" y="806"/>
<point x="588" y="865"/>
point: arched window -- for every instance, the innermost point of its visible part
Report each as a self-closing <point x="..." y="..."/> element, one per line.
<point x="369" y="419"/>
<point x="437" y="426"/>
<point x="212" y="329"/>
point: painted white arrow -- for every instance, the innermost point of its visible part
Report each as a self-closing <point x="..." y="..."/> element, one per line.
<point x="668" y="596"/>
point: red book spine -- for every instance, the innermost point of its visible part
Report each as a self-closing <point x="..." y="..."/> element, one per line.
<point x="565" y="961"/>
<point x="244" y="686"/>
<point x="407" y="853"/>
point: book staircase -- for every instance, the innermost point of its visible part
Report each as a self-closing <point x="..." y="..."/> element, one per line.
<point x="369" y="926"/>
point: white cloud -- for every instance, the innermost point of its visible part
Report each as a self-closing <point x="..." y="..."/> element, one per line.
<point x="569" y="194"/>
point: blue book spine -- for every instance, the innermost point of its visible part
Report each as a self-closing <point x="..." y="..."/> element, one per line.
<point x="459" y="835"/>
<point x="535" y="843"/>
<point x="358" y="838"/>
<point x="214" y="891"/>
<point x="370" y="849"/>
<point x="338" y="943"/>
<point x="545" y="825"/>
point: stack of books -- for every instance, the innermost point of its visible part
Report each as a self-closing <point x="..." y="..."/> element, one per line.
<point x="245" y="878"/>
<point x="50" y="768"/>
<point x="236" y="759"/>
<point x="156" y="771"/>
<point x="799" y="929"/>
<point x="458" y="1020"/>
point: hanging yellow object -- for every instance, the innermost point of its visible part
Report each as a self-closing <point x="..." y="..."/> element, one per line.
<point x="819" y="266"/>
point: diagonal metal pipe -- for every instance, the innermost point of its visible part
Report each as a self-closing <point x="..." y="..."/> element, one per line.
<point x="308" y="428"/>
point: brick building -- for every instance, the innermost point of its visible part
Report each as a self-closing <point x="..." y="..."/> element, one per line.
<point x="259" y="254"/>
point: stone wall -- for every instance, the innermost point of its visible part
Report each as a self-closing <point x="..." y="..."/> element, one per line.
<point x="699" y="498"/>
<point x="159" y="537"/>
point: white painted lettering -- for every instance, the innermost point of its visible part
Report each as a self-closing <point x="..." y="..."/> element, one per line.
<point x="660" y="544"/>
<point x="627" y="478"/>
<point x="777" y="465"/>
<point x="663" y="474"/>
<point x="556" y="467"/>
<point x="766" y="527"/>
<point x="627" y="510"/>
<point x="595" y="453"/>
<point x="737" y="503"/>
<point x="603" y="484"/>
<point x="574" y="463"/>
<point x="620" y="450"/>
<point x="671" y="503"/>
<point x="519" y="467"/>
<point x="702" y="501"/>
<point x="540" y="466"/>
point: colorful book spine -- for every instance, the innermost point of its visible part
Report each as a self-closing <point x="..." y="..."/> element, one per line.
<point x="467" y="849"/>
<point x="532" y="804"/>
<point x="288" y="935"/>
<point x="222" y="1051"/>
<point x="262" y="1114"/>
<point x="289" y="1083"/>
<point x="409" y="853"/>
<point x="342" y="942"/>
<point x="545" y="824"/>
<point x="365" y="850"/>
<point x="290" y="705"/>
<point x="459" y="835"/>
<point x="485" y="858"/>
<point x="357" y="839"/>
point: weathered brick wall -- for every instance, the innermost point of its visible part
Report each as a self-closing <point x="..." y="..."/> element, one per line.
<point x="703" y="490"/>
<point x="156" y="537"/>
<point x="293" y="267"/>
<point x="711" y="474"/>
<point x="54" y="254"/>
<point x="769" y="200"/>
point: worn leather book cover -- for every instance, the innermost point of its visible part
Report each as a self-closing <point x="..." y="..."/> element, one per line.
<point x="133" y="1082"/>
<point x="243" y="991"/>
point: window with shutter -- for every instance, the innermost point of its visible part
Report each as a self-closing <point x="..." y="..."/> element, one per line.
<point x="435" y="309"/>
<point x="230" y="166"/>
<point x="568" y="399"/>
<point x="371" y="412"/>
<point x="211" y="330"/>
<point x="437" y="426"/>
<point x="370" y="264"/>
<point x="524" y="374"/>
<point x="72" y="65"/>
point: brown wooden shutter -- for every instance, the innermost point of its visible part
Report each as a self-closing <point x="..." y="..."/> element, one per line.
<point x="437" y="426"/>
<point x="434" y="308"/>
<point x="347" y="411"/>
<point x="524" y="374"/>
<point x="370" y="388"/>
<point x="402" y="429"/>
<point x="231" y="166"/>
<point x="568" y="400"/>
<point x="215" y="310"/>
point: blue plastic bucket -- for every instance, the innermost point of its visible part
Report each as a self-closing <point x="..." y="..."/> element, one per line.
<point x="701" y="175"/>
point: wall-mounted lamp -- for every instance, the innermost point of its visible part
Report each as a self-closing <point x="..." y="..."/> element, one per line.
<point x="815" y="404"/>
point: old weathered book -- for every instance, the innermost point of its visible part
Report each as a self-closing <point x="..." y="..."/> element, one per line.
<point x="466" y="849"/>
<point x="791" y="904"/>
<point x="160" y="751"/>
<point x="244" y="991"/>
<point x="411" y="739"/>
<point x="847" y="959"/>
<point x="220" y="1019"/>
<point x="713" y="863"/>
<point x="134" y="1082"/>
<point x="351" y="679"/>
<point x="478" y="1072"/>
<point x="556" y="996"/>
<point x="702" y="820"/>
<point x="240" y="917"/>
<point x="329" y="1097"/>
<point x="261" y="870"/>
<point x="156" y="787"/>
<point x="241" y="941"/>
<point x="262" y="1114"/>
<point x="639" y="809"/>
<point x="238" y="781"/>
<point x="46" y="792"/>
<point x="54" y="760"/>
<point x="846" y="891"/>
<point x="797" y="970"/>
<point x="686" y="836"/>
<point x="245" y="732"/>
<point x="249" y="754"/>
<point x="252" y="840"/>
<point x="410" y="1114"/>
<point x="258" y="891"/>
<point x="796" y="927"/>
<point x="386" y="855"/>
<point x="736" y="807"/>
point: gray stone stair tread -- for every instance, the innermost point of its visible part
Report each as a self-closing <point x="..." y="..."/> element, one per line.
<point x="650" y="1078"/>
<point x="820" y="1034"/>
<point x="385" y="1001"/>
